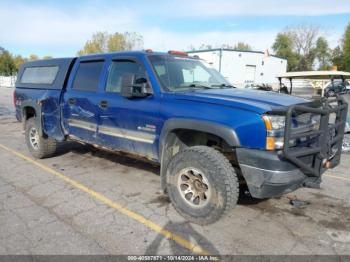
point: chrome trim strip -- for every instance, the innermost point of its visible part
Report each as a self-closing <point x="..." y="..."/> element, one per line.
<point x="127" y="134"/>
<point x="82" y="124"/>
<point x="114" y="131"/>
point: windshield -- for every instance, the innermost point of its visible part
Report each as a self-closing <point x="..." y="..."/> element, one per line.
<point x="183" y="74"/>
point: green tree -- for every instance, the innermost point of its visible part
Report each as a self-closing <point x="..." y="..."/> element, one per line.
<point x="283" y="47"/>
<point x="19" y="60"/>
<point x="116" y="42"/>
<point x="7" y="66"/>
<point x="322" y="53"/>
<point x="241" y="46"/>
<point x="337" y="58"/>
<point x="47" y="57"/>
<point x="346" y="48"/>
<point x="97" y="44"/>
<point x="102" y="42"/>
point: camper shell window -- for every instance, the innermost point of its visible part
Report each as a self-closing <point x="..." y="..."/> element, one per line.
<point x="39" y="75"/>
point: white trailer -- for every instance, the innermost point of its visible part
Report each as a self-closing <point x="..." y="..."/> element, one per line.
<point x="244" y="68"/>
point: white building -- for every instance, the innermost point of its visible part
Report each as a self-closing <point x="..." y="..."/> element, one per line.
<point x="7" y="81"/>
<point x="242" y="68"/>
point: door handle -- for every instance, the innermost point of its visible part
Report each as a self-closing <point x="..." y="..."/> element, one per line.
<point x="103" y="104"/>
<point x="72" y="101"/>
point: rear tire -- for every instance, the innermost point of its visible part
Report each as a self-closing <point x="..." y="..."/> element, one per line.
<point x="39" y="146"/>
<point x="202" y="184"/>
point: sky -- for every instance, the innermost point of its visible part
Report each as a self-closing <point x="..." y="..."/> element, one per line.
<point x="60" y="28"/>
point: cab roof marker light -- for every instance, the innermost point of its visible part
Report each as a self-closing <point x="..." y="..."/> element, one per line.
<point x="178" y="53"/>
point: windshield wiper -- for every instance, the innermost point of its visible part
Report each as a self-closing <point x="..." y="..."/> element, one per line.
<point x="196" y="86"/>
<point x="223" y="85"/>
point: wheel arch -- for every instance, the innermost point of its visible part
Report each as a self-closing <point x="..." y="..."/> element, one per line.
<point x="169" y="136"/>
<point x="32" y="111"/>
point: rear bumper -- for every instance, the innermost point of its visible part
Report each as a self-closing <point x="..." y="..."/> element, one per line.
<point x="269" y="174"/>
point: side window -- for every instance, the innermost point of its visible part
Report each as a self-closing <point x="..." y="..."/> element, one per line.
<point x="118" y="69"/>
<point x="39" y="75"/>
<point x="88" y="76"/>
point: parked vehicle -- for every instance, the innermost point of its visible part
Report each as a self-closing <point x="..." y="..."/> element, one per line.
<point x="336" y="87"/>
<point x="208" y="137"/>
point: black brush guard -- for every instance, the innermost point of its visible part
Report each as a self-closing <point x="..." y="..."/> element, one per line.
<point x="325" y="150"/>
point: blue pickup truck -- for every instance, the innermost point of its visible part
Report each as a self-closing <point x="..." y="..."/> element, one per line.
<point x="210" y="139"/>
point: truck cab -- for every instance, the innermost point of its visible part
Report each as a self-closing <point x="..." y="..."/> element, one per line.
<point x="208" y="137"/>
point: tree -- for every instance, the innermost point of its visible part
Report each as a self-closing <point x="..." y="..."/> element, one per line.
<point x="7" y="66"/>
<point x="116" y="42"/>
<point x="47" y="57"/>
<point x="283" y="47"/>
<point x="322" y="53"/>
<point x="346" y="49"/>
<point x="205" y="46"/>
<point x="33" y="57"/>
<point x="337" y="58"/>
<point x="304" y="38"/>
<point x="18" y="61"/>
<point x="133" y="41"/>
<point x="102" y="42"/>
<point x="97" y="44"/>
<point x="241" y="46"/>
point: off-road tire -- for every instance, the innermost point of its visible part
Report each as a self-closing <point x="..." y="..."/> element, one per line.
<point x="220" y="175"/>
<point x="47" y="147"/>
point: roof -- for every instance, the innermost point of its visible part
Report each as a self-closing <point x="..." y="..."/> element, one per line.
<point x="315" y="75"/>
<point x="122" y="52"/>
<point x="232" y="50"/>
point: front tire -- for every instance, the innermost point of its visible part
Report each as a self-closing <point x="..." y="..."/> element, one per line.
<point x="202" y="184"/>
<point x="39" y="146"/>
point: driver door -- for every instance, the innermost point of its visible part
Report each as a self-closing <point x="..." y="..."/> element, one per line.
<point x="127" y="124"/>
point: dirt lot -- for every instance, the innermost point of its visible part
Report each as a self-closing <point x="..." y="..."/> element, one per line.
<point x="86" y="201"/>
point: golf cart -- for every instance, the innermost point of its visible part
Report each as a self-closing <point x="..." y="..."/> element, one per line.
<point x="320" y="81"/>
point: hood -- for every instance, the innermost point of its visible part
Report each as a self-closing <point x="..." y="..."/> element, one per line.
<point x="252" y="100"/>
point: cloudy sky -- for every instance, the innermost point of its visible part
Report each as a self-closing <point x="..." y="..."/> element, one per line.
<point x="60" y="28"/>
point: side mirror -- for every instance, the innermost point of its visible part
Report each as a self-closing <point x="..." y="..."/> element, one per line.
<point x="133" y="88"/>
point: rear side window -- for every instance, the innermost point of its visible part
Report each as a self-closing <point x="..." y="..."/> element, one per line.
<point x="39" y="75"/>
<point x="87" y="76"/>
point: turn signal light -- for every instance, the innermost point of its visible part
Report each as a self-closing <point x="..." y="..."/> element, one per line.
<point x="270" y="143"/>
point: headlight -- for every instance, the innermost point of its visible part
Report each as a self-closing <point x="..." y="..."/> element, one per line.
<point x="274" y="122"/>
<point x="275" y="131"/>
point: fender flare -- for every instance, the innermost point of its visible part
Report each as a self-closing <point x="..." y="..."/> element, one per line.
<point x="226" y="133"/>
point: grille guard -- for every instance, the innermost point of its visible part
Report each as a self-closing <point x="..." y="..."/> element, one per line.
<point x="327" y="139"/>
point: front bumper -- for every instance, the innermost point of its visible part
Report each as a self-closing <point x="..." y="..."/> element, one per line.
<point x="269" y="174"/>
<point x="272" y="173"/>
